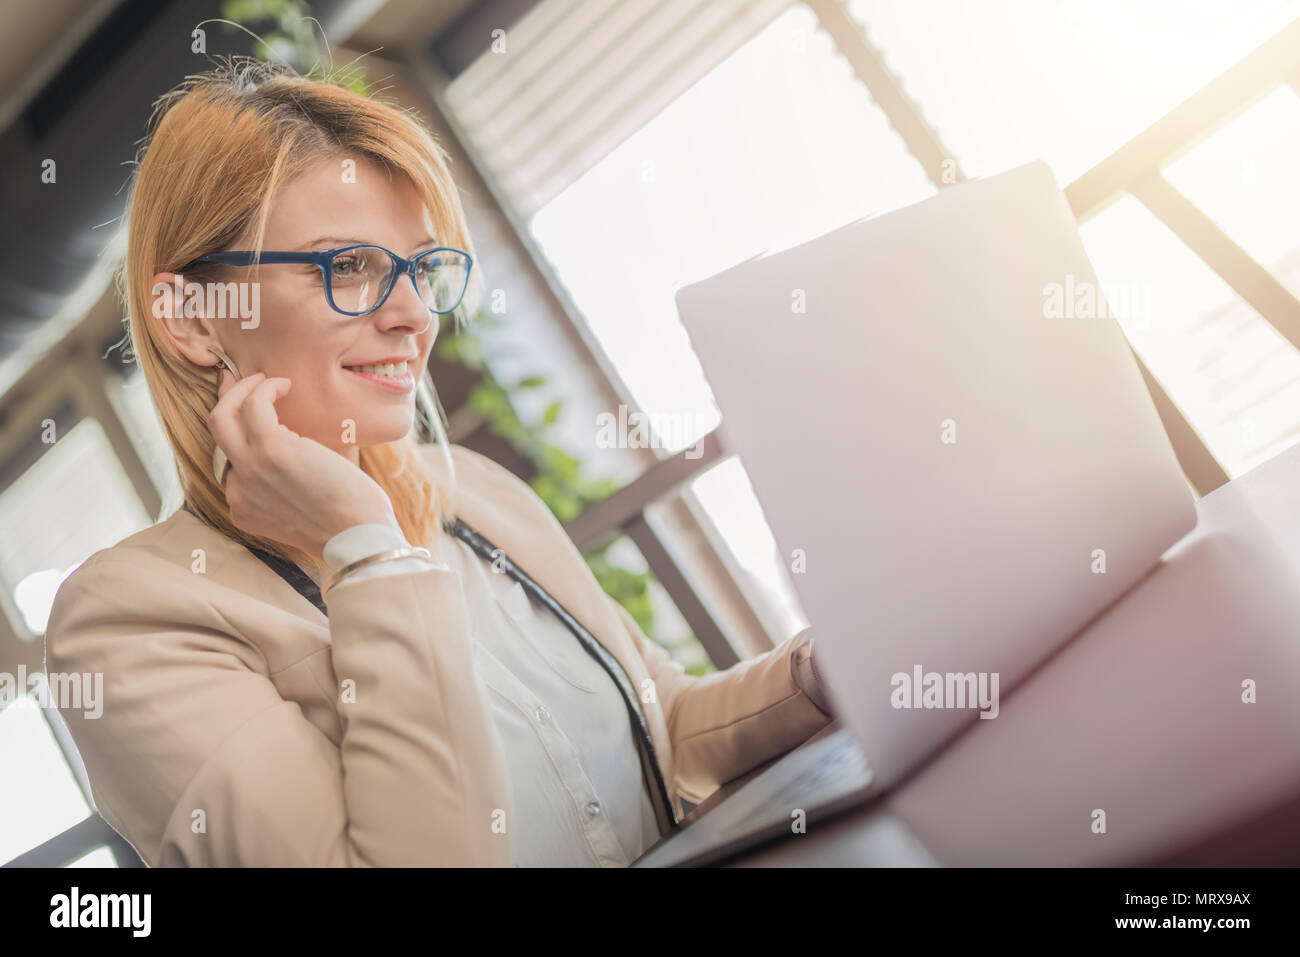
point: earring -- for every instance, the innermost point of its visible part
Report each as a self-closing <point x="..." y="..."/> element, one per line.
<point x="224" y="360"/>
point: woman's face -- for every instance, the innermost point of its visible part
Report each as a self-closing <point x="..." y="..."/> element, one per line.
<point x="338" y="201"/>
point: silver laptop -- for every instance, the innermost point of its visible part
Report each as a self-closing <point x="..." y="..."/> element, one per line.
<point x="958" y="458"/>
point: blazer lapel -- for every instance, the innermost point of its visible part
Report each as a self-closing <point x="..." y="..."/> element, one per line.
<point x="525" y="529"/>
<point x="554" y="564"/>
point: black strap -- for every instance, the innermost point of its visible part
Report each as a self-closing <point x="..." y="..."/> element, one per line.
<point x="295" y="576"/>
<point x="298" y="579"/>
<point x="667" y="819"/>
<point x="302" y="583"/>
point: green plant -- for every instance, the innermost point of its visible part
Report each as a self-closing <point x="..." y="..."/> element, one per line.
<point x="288" y="34"/>
<point x="559" y="480"/>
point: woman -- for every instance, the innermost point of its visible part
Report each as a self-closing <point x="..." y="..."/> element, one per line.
<point x="428" y="710"/>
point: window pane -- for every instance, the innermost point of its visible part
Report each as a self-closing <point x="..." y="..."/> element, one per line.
<point x="135" y="407"/>
<point x="99" y="857"/>
<point x="1067" y="82"/>
<point x="728" y="498"/>
<point x="779" y="144"/>
<point x="74" y="501"/>
<point x="39" y="797"/>
<point x="623" y="560"/>
<point x="1233" y="376"/>
<point x="1243" y="177"/>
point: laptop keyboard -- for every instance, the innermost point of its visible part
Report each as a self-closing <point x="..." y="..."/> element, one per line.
<point x="825" y="771"/>
<point x="812" y="776"/>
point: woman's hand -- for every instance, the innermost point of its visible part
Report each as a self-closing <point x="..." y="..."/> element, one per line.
<point x="281" y="485"/>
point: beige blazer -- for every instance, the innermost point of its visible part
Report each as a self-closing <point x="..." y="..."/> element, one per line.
<point x="240" y="726"/>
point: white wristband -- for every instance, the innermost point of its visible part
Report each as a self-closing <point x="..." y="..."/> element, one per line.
<point x="361" y="541"/>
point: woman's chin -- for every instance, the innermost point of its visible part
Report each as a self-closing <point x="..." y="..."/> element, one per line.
<point x="378" y="431"/>
<point x="382" y="435"/>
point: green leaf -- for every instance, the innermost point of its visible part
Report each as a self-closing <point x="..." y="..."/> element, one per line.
<point x="486" y="399"/>
<point x="597" y="489"/>
<point x="560" y="464"/>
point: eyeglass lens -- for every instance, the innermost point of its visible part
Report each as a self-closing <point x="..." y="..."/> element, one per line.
<point x="360" y="277"/>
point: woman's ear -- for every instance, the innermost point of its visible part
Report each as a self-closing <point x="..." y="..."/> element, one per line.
<point x="181" y="317"/>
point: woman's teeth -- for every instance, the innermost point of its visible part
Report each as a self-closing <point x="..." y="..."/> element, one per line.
<point x="383" y="368"/>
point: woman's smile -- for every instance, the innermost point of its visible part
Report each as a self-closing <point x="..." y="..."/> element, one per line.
<point x="391" y="374"/>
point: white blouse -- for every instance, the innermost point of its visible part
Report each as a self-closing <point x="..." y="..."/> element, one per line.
<point x="579" y="796"/>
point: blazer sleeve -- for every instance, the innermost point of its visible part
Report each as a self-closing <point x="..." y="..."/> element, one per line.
<point x="197" y="760"/>
<point x="725" y="724"/>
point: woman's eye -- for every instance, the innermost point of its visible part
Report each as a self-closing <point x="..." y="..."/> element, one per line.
<point x="346" y="266"/>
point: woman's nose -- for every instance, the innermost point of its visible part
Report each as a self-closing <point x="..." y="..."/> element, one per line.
<point x="404" y="309"/>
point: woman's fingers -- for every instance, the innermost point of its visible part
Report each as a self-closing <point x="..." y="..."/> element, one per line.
<point x="261" y="423"/>
<point x="222" y="422"/>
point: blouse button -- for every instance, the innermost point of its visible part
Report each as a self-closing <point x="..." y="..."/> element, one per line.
<point x="542" y="714"/>
<point x="593" y="808"/>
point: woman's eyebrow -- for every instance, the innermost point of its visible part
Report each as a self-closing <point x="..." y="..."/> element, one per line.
<point x="347" y="241"/>
<point x="341" y="240"/>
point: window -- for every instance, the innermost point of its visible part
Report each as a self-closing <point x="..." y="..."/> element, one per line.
<point x="1066" y="82"/>
<point x="1235" y="378"/>
<point x="777" y="145"/>
<point x="1243" y="177"/>
<point x="670" y="629"/>
<point x="1072" y="81"/>
<point x="44" y="799"/>
<point x="781" y="142"/>
<point x="73" y="501"/>
<point x="131" y="401"/>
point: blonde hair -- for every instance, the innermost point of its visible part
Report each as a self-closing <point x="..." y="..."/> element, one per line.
<point x="217" y="148"/>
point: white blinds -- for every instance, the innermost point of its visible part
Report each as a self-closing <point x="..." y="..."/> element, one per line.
<point x="577" y="77"/>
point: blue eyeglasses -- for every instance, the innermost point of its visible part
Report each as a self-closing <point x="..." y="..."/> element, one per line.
<point x="359" y="279"/>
